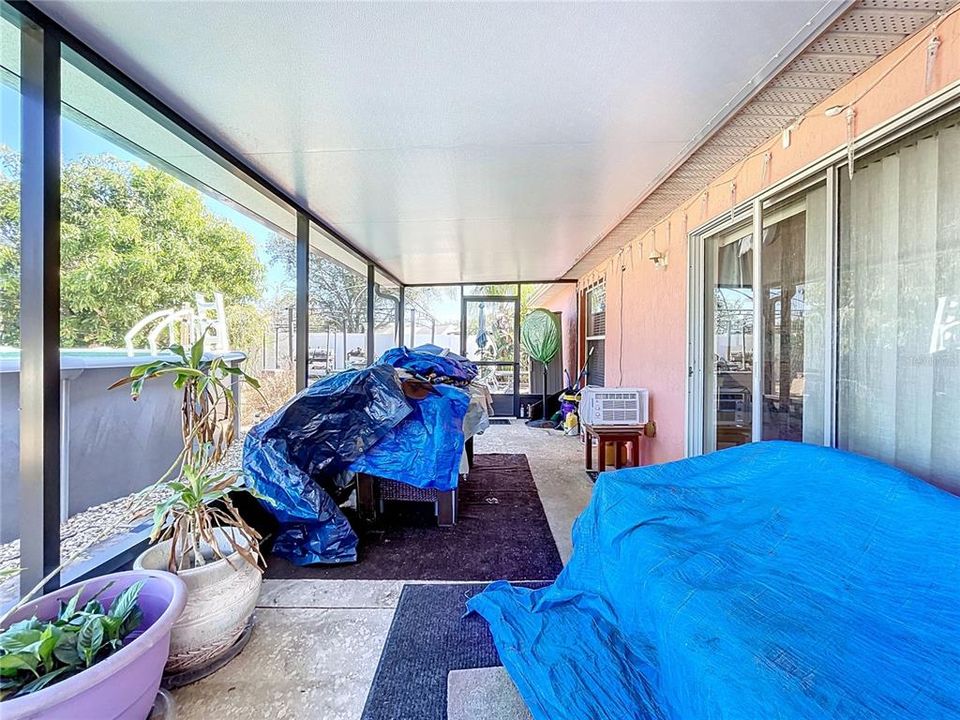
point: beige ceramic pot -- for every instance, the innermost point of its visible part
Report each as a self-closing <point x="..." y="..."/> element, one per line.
<point x="221" y="597"/>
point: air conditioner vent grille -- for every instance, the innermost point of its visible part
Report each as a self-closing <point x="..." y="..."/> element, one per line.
<point x="614" y="406"/>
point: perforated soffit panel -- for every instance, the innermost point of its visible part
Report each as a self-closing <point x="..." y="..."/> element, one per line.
<point x="858" y="38"/>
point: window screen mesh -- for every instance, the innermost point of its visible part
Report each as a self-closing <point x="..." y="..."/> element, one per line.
<point x="595" y="362"/>
<point x="596" y="311"/>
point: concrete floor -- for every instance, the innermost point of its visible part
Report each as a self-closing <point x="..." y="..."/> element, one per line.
<point x="317" y="643"/>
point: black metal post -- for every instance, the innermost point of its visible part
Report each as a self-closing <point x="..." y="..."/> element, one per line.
<point x="516" y="356"/>
<point x="39" y="308"/>
<point x="303" y="299"/>
<point x="401" y="314"/>
<point x="371" y="299"/>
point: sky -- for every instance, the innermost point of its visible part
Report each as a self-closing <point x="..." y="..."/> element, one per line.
<point x="77" y="141"/>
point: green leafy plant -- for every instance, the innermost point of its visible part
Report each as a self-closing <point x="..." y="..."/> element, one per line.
<point x="37" y="653"/>
<point x="208" y="401"/>
<point x="200" y="501"/>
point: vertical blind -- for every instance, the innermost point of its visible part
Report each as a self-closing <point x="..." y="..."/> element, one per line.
<point x="898" y="394"/>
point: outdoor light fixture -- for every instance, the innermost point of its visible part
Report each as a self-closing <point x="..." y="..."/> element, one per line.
<point x="659" y="259"/>
<point x="833" y="110"/>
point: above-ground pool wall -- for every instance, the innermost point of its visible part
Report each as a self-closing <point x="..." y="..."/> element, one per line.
<point x="651" y="342"/>
<point x="116" y="446"/>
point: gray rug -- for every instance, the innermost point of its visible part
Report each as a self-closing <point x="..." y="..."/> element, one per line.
<point x="429" y="637"/>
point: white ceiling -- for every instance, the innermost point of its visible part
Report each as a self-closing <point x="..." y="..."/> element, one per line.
<point x="451" y="142"/>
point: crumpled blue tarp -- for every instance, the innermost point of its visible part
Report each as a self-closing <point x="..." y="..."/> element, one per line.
<point x="429" y="364"/>
<point x="316" y="434"/>
<point x="437" y="350"/>
<point x="773" y="580"/>
<point x="425" y="449"/>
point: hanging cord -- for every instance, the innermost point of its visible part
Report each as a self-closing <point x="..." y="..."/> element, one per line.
<point x="765" y="168"/>
<point x="623" y="281"/>
<point x="851" y="137"/>
<point x="932" y="48"/>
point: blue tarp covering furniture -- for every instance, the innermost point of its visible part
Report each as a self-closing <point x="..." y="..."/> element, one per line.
<point x="773" y="580"/>
<point x="426" y="362"/>
<point x="425" y="449"/>
<point x="310" y="439"/>
<point x="359" y="421"/>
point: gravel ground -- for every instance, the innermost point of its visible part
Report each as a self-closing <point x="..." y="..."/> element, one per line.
<point x="98" y="524"/>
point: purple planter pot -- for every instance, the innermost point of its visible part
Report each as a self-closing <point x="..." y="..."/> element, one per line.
<point x="123" y="686"/>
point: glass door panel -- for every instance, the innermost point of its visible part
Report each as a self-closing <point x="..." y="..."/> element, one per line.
<point x="491" y="330"/>
<point x="489" y="338"/>
<point x="794" y="296"/>
<point x="728" y="339"/>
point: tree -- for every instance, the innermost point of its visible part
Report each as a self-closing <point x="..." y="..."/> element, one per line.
<point x="134" y="240"/>
<point x="338" y="295"/>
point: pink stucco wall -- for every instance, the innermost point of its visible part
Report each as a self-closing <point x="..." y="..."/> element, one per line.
<point x="562" y="298"/>
<point x="647" y="330"/>
<point x="646" y="340"/>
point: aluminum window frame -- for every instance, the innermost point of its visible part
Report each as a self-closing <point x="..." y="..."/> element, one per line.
<point x="48" y="43"/>
<point x="826" y="170"/>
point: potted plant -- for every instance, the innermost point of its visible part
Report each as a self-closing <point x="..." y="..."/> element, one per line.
<point x="200" y="535"/>
<point x="95" y="650"/>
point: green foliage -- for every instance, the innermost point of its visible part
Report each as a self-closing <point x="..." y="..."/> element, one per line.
<point x="36" y="653"/>
<point x="247" y="324"/>
<point x="338" y="295"/>
<point x="208" y="399"/>
<point x="134" y="239"/>
<point x="198" y="503"/>
<point x="198" y="499"/>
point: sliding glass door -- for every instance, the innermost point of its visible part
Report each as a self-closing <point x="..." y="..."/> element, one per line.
<point x="793" y="276"/>
<point x="772" y="388"/>
<point x="728" y="338"/>
<point x="857" y="285"/>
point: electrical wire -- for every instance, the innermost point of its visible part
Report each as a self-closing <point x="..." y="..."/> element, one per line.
<point x="623" y="281"/>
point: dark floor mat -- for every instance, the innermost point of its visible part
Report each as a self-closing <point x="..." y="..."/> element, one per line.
<point x="501" y="534"/>
<point x="428" y="638"/>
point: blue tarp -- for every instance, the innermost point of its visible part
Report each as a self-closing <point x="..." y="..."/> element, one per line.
<point x="773" y="580"/>
<point x="429" y="364"/>
<point x="308" y="441"/>
<point x="357" y="420"/>
<point x="425" y="449"/>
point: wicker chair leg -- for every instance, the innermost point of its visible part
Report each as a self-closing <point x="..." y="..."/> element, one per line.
<point x="446" y="508"/>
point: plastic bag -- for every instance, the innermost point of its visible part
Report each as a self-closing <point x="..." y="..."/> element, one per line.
<point x="288" y="457"/>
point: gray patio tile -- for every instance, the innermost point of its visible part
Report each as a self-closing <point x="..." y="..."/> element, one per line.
<point x="330" y="594"/>
<point x="300" y="663"/>
<point x="484" y="694"/>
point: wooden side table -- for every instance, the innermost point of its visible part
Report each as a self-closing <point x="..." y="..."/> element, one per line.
<point x="617" y="434"/>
